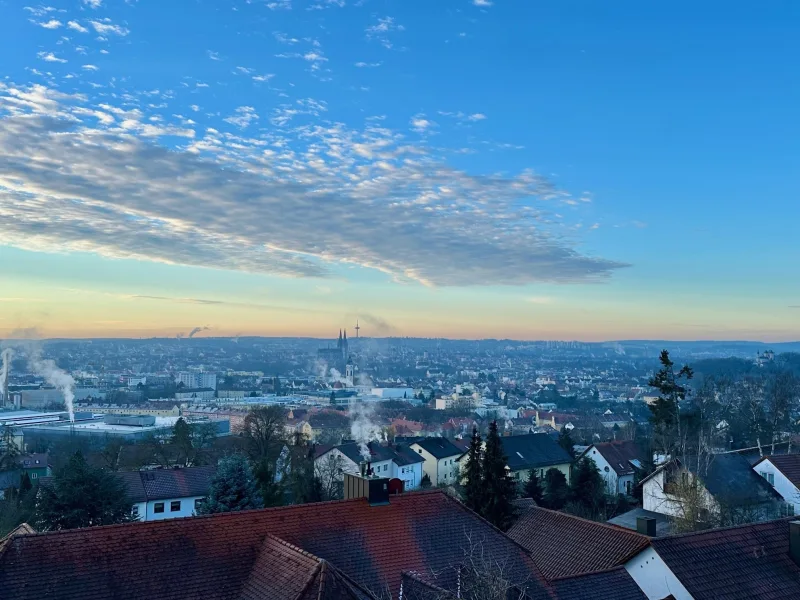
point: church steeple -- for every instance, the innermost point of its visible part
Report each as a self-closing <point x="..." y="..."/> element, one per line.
<point x="339" y="343"/>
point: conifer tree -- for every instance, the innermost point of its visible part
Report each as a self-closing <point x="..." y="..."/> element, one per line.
<point x="499" y="488"/>
<point x="473" y="488"/>
<point x="533" y="488"/>
<point x="233" y="488"/>
<point x="555" y="489"/>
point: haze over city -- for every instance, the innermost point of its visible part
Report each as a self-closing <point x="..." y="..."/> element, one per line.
<point x="464" y="169"/>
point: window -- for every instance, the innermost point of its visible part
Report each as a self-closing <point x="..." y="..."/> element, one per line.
<point x="385" y="467"/>
<point x="787" y="510"/>
<point x="158" y="507"/>
<point x="175" y="506"/>
<point x="34" y="475"/>
<point x="605" y="469"/>
<point x="197" y="503"/>
<point x="135" y="511"/>
<point x="771" y="479"/>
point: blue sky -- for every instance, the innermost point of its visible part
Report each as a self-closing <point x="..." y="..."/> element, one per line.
<point x="458" y="168"/>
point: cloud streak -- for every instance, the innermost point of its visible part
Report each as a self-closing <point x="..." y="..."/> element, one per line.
<point x="80" y="178"/>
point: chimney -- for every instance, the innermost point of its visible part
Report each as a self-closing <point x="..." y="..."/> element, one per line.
<point x="647" y="526"/>
<point x="374" y="489"/>
<point x="794" y="541"/>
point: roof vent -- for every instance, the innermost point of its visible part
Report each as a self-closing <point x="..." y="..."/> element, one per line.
<point x="647" y="526"/>
<point x="794" y="541"/>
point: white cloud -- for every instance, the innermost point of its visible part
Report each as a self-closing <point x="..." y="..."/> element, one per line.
<point x="420" y="124"/>
<point x="93" y="3"/>
<point x="39" y="11"/>
<point x="243" y="116"/>
<point x="265" y="77"/>
<point x="366" y="65"/>
<point x="244" y="70"/>
<point x="213" y="55"/>
<point x="476" y="117"/>
<point x="195" y="108"/>
<point x="51" y="24"/>
<point x="50" y="57"/>
<point x="380" y="31"/>
<point x="105" y="27"/>
<point x="89" y="68"/>
<point x="74" y="25"/>
<point x="293" y="202"/>
<point x="482" y="2"/>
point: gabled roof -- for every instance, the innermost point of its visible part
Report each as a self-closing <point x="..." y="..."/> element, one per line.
<point x="563" y="545"/>
<point x="400" y="454"/>
<point x="213" y="557"/>
<point x="613" y="584"/>
<point x="748" y="562"/>
<point x="534" y="450"/>
<point x="162" y="484"/>
<point x="619" y="455"/>
<point x="282" y="570"/>
<point x="439" y="447"/>
<point x="788" y="464"/>
<point x="728" y="477"/>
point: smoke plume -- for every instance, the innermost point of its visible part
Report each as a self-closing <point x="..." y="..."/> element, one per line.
<point x="198" y="330"/>
<point x="56" y="377"/>
<point x="363" y="427"/>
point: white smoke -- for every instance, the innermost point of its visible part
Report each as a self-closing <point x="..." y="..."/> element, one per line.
<point x="363" y="427"/>
<point x="320" y="368"/>
<point x="5" y="371"/>
<point x="56" y="377"/>
<point x="337" y="376"/>
<point x="363" y="379"/>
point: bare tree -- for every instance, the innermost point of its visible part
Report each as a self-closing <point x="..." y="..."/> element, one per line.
<point x="264" y="432"/>
<point x="329" y="469"/>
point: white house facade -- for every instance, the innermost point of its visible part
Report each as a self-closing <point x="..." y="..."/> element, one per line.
<point x="441" y="459"/>
<point x="166" y="493"/>
<point x="779" y="472"/>
<point x="654" y="577"/>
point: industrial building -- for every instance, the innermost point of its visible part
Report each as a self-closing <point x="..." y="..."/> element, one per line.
<point x="126" y="427"/>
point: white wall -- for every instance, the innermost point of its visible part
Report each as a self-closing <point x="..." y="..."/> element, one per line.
<point x="608" y="474"/>
<point x="411" y="475"/>
<point x="654" y="577"/>
<point x="444" y="470"/>
<point x="782" y="485"/>
<point x="654" y="498"/>
<point x="146" y="510"/>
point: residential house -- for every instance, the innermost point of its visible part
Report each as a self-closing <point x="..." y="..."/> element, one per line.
<point x="749" y="562"/>
<point x="393" y="461"/>
<point x="413" y="546"/>
<point x="563" y="545"/>
<point x="441" y="457"/>
<point x="35" y="465"/>
<point x="782" y="472"/>
<point x="167" y="493"/>
<point x="617" y="463"/>
<point x="526" y="453"/>
<point x="728" y="487"/>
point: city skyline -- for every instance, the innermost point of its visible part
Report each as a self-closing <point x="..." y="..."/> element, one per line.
<point x="464" y="169"/>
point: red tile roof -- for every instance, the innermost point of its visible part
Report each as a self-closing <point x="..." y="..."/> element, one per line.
<point x="618" y="455"/>
<point x="613" y="584"/>
<point x="748" y="562"/>
<point x="788" y="464"/>
<point x="563" y="545"/>
<point x="213" y="557"/>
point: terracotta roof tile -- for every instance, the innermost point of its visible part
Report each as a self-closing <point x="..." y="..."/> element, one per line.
<point x="748" y="562"/>
<point x="563" y="545"/>
<point x="613" y="584"/>
<point x="213" y="557"/>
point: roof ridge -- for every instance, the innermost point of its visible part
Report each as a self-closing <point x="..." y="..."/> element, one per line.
<point x="585" y="520"/>
<point x="728" y="528"/>
<point x="574" y="575"/>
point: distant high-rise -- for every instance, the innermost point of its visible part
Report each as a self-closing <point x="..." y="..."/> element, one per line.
<point x="358" y="328"/>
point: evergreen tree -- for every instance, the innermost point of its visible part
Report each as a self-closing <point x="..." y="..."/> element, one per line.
<point x="499" y="488"/>
<point x="587" y="489"/>
<point x="182" y="441"/>
<point x="233" y="488"/>
<point x="9" y="459"/>
<point x="473" y="488"/>
<point x="82" y="496"/>
<point x="533" y="488"/>
<point x="271" y="490"/>
<point x="665" y="417"/>
<point x="555" y="489"/>
<point x="426" y="482"/>
<point x="566" y="442"/>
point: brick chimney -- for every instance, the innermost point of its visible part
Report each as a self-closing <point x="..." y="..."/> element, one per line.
<point x="646" y="526"/>
<point x="794" y="541"/>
